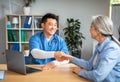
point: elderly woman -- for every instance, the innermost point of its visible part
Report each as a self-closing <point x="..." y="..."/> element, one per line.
<point x="104" y="65"/>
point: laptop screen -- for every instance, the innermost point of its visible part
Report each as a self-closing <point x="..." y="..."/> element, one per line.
<point x="16" y="62"/>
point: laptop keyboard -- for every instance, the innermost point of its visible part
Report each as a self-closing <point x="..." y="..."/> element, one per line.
<point x="31" y="70"/>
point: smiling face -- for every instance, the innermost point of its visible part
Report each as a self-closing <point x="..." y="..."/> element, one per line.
<point x="50" y="27"/>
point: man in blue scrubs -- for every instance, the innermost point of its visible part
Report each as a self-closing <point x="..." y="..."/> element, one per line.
<point x="46" y="45"/>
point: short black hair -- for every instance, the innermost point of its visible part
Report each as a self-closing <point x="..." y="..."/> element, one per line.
<point x="48" y="15"/>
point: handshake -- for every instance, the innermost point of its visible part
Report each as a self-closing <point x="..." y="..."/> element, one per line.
<point x="61" y="56"/>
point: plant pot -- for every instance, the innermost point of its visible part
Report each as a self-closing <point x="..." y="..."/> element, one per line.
<point x="26" y="53"/>
<point x="26" y="10"/>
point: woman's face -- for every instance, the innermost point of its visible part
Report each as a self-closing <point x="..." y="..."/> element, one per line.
<point x="94" y="32"/>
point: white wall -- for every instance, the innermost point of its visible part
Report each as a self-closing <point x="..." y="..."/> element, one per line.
<point x="7" y="7"/>
<point x="79" y="9"/>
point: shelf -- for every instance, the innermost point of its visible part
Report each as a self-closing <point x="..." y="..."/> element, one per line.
<point x="26" y="29"/>
<point x="12" y="28"/>
<point x="12" y="42"/>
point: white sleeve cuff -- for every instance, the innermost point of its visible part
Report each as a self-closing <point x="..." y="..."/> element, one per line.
<point x="40" y="54"/>
<point x="59" y="63"/>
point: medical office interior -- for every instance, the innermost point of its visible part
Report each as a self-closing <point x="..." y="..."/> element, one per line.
<point x="78" y="9"/>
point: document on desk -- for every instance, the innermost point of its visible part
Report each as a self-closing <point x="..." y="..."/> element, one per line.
<point x="2" y="74"/>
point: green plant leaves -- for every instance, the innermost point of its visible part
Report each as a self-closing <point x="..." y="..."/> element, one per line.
<point x="73" y="36"/>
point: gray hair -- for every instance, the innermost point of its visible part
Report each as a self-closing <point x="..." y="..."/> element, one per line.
<point x="104" y="25"/>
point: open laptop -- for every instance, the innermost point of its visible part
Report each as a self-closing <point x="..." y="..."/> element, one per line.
<point x="16" y="63"/>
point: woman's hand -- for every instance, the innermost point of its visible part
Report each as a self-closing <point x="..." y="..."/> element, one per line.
<point x="77" y="69"/>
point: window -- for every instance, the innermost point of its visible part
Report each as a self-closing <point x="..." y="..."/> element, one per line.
<point x="113" y="2"/>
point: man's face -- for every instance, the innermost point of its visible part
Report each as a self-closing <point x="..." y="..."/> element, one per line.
<point x="50" y="26"/>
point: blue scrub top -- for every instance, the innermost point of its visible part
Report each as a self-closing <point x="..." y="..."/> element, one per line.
<point x="39" y="41"/>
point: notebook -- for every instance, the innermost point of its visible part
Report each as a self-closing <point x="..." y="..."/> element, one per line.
<point x="16" y="63"/>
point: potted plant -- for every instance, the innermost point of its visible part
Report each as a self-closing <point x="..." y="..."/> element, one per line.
<point x="73" y="36"/>
<point x="26" y="8"/>
<point x="26" y="50"/>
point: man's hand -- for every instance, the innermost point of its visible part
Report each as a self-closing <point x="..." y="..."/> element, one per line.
<point x="60" y="56"/>
<point x="48" y="66"/>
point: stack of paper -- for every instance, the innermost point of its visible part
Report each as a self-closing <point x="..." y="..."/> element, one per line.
<point x="2" y="74"/>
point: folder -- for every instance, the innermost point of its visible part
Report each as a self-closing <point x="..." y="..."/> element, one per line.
<point x="27" y="22"/>
<point x="15" y="47"/>
<point x="22" y="36"/>
<point x="12" y="35"/>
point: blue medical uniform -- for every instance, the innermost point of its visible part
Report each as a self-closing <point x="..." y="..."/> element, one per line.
<point x="39" y="41"/>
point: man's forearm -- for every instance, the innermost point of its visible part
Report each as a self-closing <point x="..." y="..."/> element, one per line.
<point x="36" y="53"/>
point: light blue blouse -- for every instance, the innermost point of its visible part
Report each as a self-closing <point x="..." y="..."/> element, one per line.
<point x="107" y="66"/>
<point x="38" y="41"/>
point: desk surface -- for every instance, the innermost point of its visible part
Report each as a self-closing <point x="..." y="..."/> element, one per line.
<point x="61" y="73"/>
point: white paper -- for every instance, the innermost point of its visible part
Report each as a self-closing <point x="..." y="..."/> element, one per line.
<point x="2" y="74"/>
